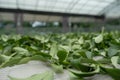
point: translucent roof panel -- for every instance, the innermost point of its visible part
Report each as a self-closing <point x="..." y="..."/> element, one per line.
<point x="114" y="13"/>
<point x="92" y="7"/>
<point x="8" y="3"/>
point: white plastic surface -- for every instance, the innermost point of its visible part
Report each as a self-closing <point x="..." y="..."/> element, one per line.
<point x="36" y="67"/>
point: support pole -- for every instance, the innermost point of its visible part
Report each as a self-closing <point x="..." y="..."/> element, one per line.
<point x="65" y="24"/>
<point x="19" y="23"/>
<point x="100" y="24"/>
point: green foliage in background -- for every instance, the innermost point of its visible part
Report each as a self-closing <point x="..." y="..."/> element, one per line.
<point x="114" y="22"/>
<point x="84" y="24"/>
<point x="26" y="24"/>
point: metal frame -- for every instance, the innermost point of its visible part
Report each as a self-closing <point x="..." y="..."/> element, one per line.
<point x="51" y="13"/>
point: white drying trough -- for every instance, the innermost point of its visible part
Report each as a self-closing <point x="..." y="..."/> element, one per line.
<point x="37" y="67"/>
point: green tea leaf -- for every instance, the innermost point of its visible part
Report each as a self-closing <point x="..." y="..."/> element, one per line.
<point x="11" y="62"/>
<point x="57" y="68"/>
<point x="114" y="73"/>
<point x="54" y="50"/>
<point x="4" y="37"/>
<point x="4" y="58"/>
<point x="114" y="61"/>
<point x="81" y="40"/>
<point x="85" y="74"/>
<point x="89" y="54"/>
<point x="99" y="38"/>
<point x="112" y="52"/>
<point x="79" y="66"/>
<point x="16" y="37"/>
<point x="103" y="53"/>
<point x="62" y="54"/>
<point x="21" y="50"/>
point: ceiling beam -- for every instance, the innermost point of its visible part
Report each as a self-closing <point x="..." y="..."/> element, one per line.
<point x="50" y="13"/>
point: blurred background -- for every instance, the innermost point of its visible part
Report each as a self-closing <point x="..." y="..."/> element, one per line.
<point x="58" y="16"/>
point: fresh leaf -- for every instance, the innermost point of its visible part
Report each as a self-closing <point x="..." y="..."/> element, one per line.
<point x="11" y="62"/>
<point x="4" y="37"/>
<point x="21" y="50"/>
<point x="112" y="52"/>
<point x="114" y="73"/>
<point x="57" y="68"/>
<point x="62" y="54"/>
<point x="81" y="40"/>
<point x="103" y="53"/>
<point x="114" y="61"/>
<point x="54" y="50"/>
<point x="4" y="58"/>
<point x="79" y="66"/>
<point x="85" y="74"/>
<point x="89" y="54"/>
<point x="99" y="38"/>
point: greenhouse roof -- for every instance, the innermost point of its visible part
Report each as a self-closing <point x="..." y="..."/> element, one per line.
<point x="85" y="7"/>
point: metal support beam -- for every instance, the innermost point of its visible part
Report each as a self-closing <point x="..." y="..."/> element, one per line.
<point x="50" y="13"/>
<point x="100" y="24"/>
<point x="19" y="22"/>
<point x="65" y="24"/>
